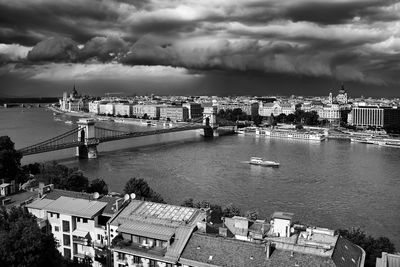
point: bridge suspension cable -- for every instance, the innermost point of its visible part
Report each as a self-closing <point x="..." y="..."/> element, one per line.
<point x="59" y="142"/>
<point x="70" y="138"/>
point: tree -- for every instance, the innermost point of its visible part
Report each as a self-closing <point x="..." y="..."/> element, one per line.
<point x="373" y="247"/>
<point x="76" y="182"/>
<point x="281" y="118"/>
<point x="291" y="118"/>
<point x="231" y="210"/>
<point x="188" y="203"/>
<point x="231" y="115"/>
<point x="392" y="128"/>
<point x="311" y="118"/>
<point x="10" y="160"/>
<point x="257" y="119"/>
<point x="272" y="120"/>
<point x="54" y="173"/>
<point x="32" y="168"/>
<point x="141" y="189"/>
<point x="252" y="215"/>
<point x="217" y="212"/>
<point x="23" y="243"/>
<point x="99" y="186"/>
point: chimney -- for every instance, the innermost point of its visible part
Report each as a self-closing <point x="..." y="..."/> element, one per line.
<point x="117" y="204"/>
<point x="202" y="226"/>
<point x="222" y="231"/>
<point x="267" y="249"/>
<point x="207" y="212"/>
<point x="40" y="189"/>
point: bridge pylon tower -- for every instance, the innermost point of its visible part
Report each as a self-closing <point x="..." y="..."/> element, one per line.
<point x="210" y="121"/>
<point x="86" y="135"/>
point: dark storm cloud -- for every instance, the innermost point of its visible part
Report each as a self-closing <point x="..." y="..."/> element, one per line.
<point x="32" y="21"/>
<point x="353" y="40"/>
<point x="103" y="49"/>
<point x="330" y="12"/>
<point x="58" y="49"/>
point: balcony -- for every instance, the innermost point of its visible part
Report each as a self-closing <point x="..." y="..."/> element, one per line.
<point x="41" y="222"/>
<point x="98" y="244"/>
<point x="122" y="260"/>
<point x="81" y="240"/>
<point x="132" y="246"/>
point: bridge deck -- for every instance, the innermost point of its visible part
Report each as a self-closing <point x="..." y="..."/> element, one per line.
<point x="147" y="133"/>
<point x="63" y="141"/>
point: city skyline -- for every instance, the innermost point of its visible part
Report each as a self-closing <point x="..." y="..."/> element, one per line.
<point x="209" y="47"/>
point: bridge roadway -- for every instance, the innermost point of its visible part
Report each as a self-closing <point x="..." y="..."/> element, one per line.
<point x="58" y="143"/>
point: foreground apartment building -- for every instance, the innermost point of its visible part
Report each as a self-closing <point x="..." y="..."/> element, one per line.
<point x="120" y="232"/>
<point x="78" y="222"/>
<point x="152" y="234"/>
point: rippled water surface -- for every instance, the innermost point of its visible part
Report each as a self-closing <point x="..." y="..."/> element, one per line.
<point x="331" y="184"/>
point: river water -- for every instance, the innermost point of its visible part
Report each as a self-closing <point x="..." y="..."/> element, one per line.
<point x="332" y="184"/>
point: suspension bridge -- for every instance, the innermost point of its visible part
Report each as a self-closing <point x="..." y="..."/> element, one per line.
<point x="87" y="135"/>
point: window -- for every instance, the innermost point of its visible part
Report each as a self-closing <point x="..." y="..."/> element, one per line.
<point x="98" y="237"/>
<point x="56" y="228"/>
<point x="135" y="239"/>
<point x="65" y="226"/>
<point x="121" y="256"/>
<point x="66" y="240"/>
<point x="67" y="253"/>
<point x="136" y="259"/>
<point x="84" y="220"/>
<point x="58" y="215"/>
<point x="152" y="263"/>
<point x="78" y="219"/>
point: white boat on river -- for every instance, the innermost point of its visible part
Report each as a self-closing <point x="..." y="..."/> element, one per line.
<point x="262" y="162"/>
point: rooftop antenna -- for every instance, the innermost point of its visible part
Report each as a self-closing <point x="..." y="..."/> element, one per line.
<point x="126" y="197"/>
<point x="133" y="195"/>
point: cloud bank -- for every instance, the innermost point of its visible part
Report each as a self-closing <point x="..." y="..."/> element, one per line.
<point x="355" y="40"/>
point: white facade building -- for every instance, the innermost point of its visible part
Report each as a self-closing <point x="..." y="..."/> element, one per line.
<point x="367" y="116"/>
<point x="276" y="108"/>
<point x="122" y="109"/>
<point x="152" y="111"/>
<point x="281" y="223"/>
<point x="94" y="107"/>
<point x="77" y="222"/>
<point x="174" y="113"/>
<point x="106" y="108"/>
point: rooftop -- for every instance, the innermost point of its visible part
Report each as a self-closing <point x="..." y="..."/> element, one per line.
<point x="76" y="206"/>
<point x="388" y="260"/>
<point x="282" y="215"/>
<point x="18" y="199"/>
<point x="110" y="201"/>
<point x="157" y="213"/>
<point x="209" y="250"/>
<point x="158" y="221"/>
<point x="347" y="254"/>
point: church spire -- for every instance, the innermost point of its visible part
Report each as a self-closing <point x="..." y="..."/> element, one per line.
<point x="74" y="92"/>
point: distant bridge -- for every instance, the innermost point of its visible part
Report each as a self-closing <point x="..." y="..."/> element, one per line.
<point x="87" y="136"/>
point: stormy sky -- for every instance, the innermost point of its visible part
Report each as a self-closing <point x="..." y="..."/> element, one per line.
<point x="195" y="47"/>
